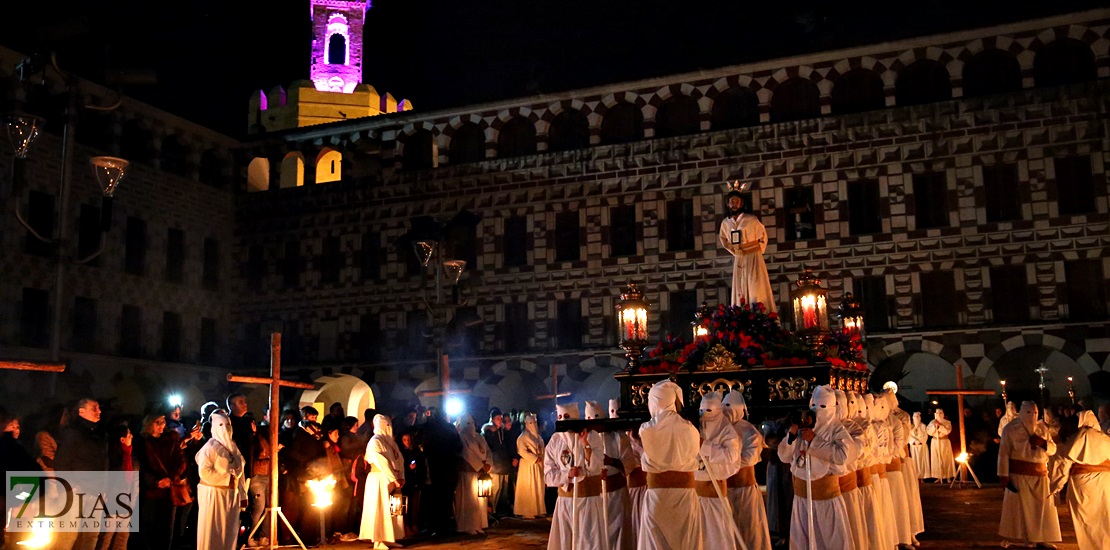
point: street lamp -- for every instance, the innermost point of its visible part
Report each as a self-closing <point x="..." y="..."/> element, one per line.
<point x="632" y="321"/>
<point x="22" y="131"/>
<point x="811" y="318"/>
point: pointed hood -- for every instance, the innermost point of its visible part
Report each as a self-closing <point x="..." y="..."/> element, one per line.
<point x="868" y="406"/>
<point x="222" y="431"/>
<point x="594" y="410"/>
<point x="855" y="405"/>
<point x="880" y="410"/>
<point x="1028" y="416"/>
<point x="383" y="426"/>
<point x="736" y="407"/>
<point x="531" y="432"/>
<point x="1090" y="445"/>
<point x="568" y="411"/>
<point x="664" y="396"/>
<point x="824" y="406"/>
<point x="841" y="405"/>
<point x="614" y="406"/>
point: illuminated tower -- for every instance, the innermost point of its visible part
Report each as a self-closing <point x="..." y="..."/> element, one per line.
<point x="334" y="90"/>
<point x="337" y="44"/>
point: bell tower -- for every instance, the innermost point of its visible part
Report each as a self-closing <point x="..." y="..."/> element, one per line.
<point x="334" y="90"/>
<point x="337" y="44"/>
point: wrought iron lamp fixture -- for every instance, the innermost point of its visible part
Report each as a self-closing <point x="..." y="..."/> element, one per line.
<point x="632" y="324"/>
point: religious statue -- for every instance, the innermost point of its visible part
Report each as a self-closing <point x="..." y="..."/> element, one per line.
<point x="745" y="237"/>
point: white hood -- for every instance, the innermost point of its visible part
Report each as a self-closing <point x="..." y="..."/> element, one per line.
<point x="713" y="420"/>
<point x="222" y="431"/>
<point x="868" y="406"/>
<point x="568" y="411"/>
<point x="383" y="426"/>
<point x="841" y="405"/>
<point x="594" y="410"/>
<point x="855" y="405"/>
<point x="736" y="407"/>
<point x="1028" y="416"/>
<point x="614" y="406"/>
<point x="881" y="408"/>
<point x="824" y="407"/>
<point x="664" y="396"/>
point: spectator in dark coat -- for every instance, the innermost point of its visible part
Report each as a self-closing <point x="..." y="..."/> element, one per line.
<point x="442" y="448"/>
<point x="162" y="465"/>
<point x="13" y="456"/>
<point x="241" y="430"/>
<point x="502" y="447"/>
<point x="81" y="447"/>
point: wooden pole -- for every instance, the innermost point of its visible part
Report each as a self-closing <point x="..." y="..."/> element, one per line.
<point x="29" y="366"/>
<point x="275" y="416"/>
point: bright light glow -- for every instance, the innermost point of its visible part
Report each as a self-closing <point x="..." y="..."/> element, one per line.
<point x="485" y="485"/>
<point x="935" y="403"/>
<point x="962" y="459"/>
<point x="634" y="321"/>
<point x="700" y="332"/>
<point x="1003" y="382"/>
<point x="40" y="538"/>
<point x="809" y="311"/>
<point x="891" y="386"/>
<point x="175" y="400"/>
<point x="321" y="491"/>
<point x="454" y="407"/>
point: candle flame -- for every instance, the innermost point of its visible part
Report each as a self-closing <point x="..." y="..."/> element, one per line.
<point x="40" y="538"/>
<point x="962" y="459"/>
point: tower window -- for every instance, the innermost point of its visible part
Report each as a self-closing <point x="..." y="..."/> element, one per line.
<point x="337" y="49"/>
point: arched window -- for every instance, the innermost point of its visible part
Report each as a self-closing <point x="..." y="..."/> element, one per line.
<point x="419" y="151"/>
<point x="135" y="143"/>
<point x="623" y="123"/>
<point x="678" y="116"/>
<point x="735" y="108"/>
<point x="258" y="175"/>
<point x="923" y="81"/>
<point x="329" y="166"/>
<point x="468" y="144"/>
<point x="570" y="130"/>
<point x="1064" y="61"/>
<point x="175" y="156"/>
<point x="517" y="137"/>
<point x="991" y="72"/>
<point x="795" y="99"/>
<point x="292" y="170"/>
<point x="856" y="91"/>
<point x="337" y="49"/>
<point x="212" y="169"/>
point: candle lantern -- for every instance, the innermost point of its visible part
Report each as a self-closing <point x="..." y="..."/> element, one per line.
<point x="398" y="504"/>
<point x="701" y="318"/>
<point x="811" y="317"/>
<point x="632" y="319"/>
<point x="485" y="485"/>
<point x="1004" y="398"/>
<point x="851" y="315"/>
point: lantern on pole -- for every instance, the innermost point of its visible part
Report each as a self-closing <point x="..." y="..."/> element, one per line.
<point x="632" y="320"/>
<point x="485" y="485"/>
<point x="701" y="318"/>
<point x="811" y="316"/>
<point x="851" y="315"/>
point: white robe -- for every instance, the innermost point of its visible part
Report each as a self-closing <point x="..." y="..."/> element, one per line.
<point x="721" y="449"/>
<point x="830" y="453"/>
<point x="942" y="463"/>
<point x="635" y="494"/>
<point x="671" y="518"/>
<point x="749" y="512"/>
<point x="529" y="501"/>
<point x="900" y="505"/>
<point x="618" y="503"/>
<point x="387" y="466"/>
<point x="1088" y="493"/>
<point x="910" y="476"/>
<point x="577" y="522"/>
<point x="222" y="487"/>
<point x="855" y="501"/>
<point x="470" y="509"/>
<point x="919" y="450"/>
<point x="1030" y="514"/>
<point x="879" y="528"/>
<point x="750" y="281"/>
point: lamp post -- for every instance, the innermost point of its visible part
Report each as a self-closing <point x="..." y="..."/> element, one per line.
<point x="23" y="129"/>
<point x="811" y="317"/>
<point x="632" y="321"/>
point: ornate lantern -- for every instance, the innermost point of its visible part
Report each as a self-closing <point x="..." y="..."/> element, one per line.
<point x="398" y="504"/>
<point x="485" y="485"/>
<point x="701" y="317"/>
<point x="811" y="316"/>
<point x="632" y="320"/>
<point x="851" y="315"/>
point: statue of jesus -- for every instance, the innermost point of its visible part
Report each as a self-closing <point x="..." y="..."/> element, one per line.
<point x="745" y="237"/>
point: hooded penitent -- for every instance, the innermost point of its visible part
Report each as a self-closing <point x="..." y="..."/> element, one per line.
<point x="383" y="426"/>
<point x="594" y="410"/>
<point x="868" y="406"/>
<point x="736" y="407"/>
<point x="880" y="409"/>
<point x="713" y="422"/>
<point x="824" y="406"/>
<point x="1010" y="416"/>
<point x="614" y="406"/>
<point x="841" y="404"/>
<point x="222" y="432"/>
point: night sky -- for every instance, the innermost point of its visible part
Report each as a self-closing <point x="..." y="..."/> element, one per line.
<point x="210" y="54"/>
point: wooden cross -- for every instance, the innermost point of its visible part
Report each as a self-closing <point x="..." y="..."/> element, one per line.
<point x="554" y="395"/>
<point x="28" y="365"/>
<point x="960" y="393"/>
<point x="276" y="383"/>
<point x="444" y="390"/>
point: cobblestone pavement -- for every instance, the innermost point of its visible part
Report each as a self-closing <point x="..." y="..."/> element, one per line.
<point x="955" y="519"/>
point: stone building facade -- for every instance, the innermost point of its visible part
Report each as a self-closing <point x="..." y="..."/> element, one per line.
<point x="152" y="312"/>
<point x="957" y="183"/>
